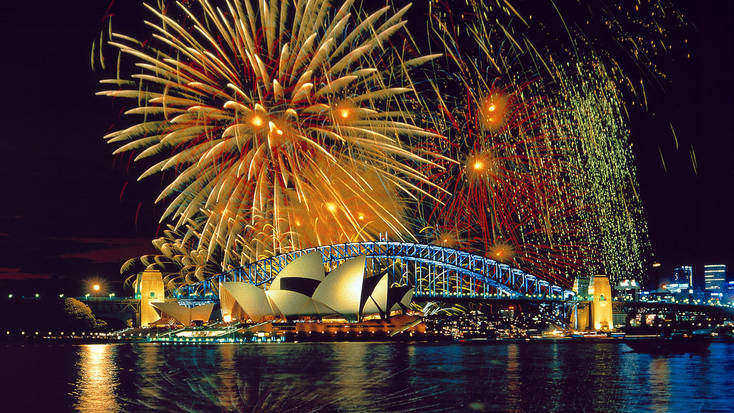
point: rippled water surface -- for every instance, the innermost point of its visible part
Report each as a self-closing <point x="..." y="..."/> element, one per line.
<point x="364" y="377"/>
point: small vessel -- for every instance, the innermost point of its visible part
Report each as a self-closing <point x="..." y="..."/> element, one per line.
<point x="676" y="343"/>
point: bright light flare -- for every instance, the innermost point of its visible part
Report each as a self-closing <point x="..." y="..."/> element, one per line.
<point x="494" y="110"/>
<point x="502" y="252"/>
<point x="257" y="121"/>
<point x="483" y="164"/>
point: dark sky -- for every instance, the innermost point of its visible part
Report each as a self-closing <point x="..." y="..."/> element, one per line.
<point x="71" y="212"/>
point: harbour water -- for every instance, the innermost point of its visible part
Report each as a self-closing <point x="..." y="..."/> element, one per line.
<point x="301" y="377"/>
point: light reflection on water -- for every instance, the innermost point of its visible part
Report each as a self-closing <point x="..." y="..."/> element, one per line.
<point x="97" y="382"/>
<point x="365" y="377"/>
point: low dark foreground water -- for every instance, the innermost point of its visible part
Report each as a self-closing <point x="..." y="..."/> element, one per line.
<point x="363" y="377"/>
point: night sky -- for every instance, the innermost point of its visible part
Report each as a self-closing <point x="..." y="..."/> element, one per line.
<point x="72" y="212"/>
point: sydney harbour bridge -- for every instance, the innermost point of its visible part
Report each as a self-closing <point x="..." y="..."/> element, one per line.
<point x="435" y="273"/>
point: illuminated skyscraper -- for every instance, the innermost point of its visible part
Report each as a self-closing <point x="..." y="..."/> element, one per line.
<point x="714" y="277"/>
<point x="683" y="274"/>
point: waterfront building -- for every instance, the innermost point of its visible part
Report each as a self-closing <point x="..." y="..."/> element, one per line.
<point x="303" y="289"/>
<point x="714" y="278"/>
<point x="185" y="316"/>
<point x="683" y="274"/>
<point x="677" y="288"/>
<point x="627" y="289"/>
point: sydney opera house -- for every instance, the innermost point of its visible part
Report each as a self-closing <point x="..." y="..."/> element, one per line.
<point x="303" y="289"/>
<point x="304" y="293"/>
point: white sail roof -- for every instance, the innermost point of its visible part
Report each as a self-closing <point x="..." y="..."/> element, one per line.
<point x="377" y="300"/>
<point x="306" y="266"/>
<point x="341" y="290"/>
<point x="184" y="315"/>
<point x="293" y="304"/>
<point x="250" y="299"/>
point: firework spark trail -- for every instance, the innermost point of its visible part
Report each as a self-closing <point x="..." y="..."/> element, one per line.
<point x="562" y="205"/>
<point x="284" y="125"/>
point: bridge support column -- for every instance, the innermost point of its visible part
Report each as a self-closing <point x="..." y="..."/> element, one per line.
<point x="149" y="288"/>
<point x="601" y="310"/>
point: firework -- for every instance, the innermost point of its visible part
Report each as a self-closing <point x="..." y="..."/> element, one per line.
<point x="507" y="184"/>
<point x="615" y="224"/>
<point x="282" y="124"/>
<point x="582" y="208"/>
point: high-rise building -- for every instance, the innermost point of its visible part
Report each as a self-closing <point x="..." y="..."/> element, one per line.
<point x="683" y="274"/>
<point x="714" y="277"/>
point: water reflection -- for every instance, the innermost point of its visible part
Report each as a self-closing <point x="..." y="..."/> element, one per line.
<point x="97" y="379"/>
<point x="374" y="377"/>
<point x="660" y="383"/>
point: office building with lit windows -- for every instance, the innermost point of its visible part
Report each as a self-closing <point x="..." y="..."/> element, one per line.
<point x="683" y="274"/>
<point x="714" y="278"/>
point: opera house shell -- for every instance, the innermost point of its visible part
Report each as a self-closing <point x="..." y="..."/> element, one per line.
<point x="303" y="289"/>
<point x="183" y="315"/>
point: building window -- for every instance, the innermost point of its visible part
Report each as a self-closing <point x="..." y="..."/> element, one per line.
<point x="152" y="294"/>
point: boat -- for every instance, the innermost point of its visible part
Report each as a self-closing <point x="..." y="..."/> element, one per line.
<point x="677" y="343"/>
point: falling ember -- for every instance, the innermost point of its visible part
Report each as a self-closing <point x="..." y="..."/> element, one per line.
<point x="482" y="164"/>
<point x="502" y="252"/>
<point x="448" y="238"/>
<point x="345" y="113"/>
<point x="493" y="111"/>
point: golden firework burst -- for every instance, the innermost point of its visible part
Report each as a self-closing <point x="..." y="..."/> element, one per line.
<point x="260" y="111"/>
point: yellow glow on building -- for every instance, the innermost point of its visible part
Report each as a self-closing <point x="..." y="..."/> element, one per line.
<point x="149" y="288"/>
<point x="601" y="310"/>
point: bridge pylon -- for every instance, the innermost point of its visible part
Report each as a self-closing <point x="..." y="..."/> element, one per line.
<point x="595" y="314"/>
<point x="149" y="288"/>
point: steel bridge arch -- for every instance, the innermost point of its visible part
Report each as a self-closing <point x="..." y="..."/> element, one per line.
<point x="433" y="271"/>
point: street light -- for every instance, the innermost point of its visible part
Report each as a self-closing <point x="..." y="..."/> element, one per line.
<point x="95" y="287"/>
